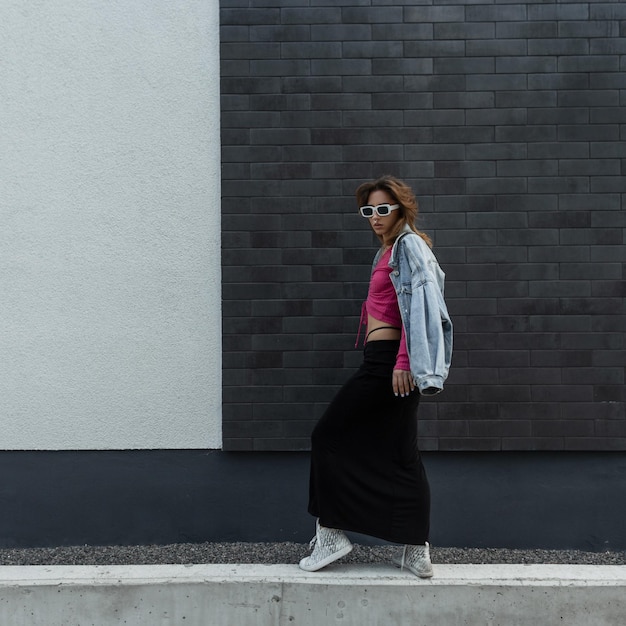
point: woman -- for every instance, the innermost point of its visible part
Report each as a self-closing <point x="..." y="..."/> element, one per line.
<point x="366" y="471"/>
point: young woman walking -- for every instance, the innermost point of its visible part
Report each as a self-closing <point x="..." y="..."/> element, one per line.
<point x="366" y="472"/>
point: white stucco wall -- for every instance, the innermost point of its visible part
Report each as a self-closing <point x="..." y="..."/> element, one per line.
<point x="110" y="289"/>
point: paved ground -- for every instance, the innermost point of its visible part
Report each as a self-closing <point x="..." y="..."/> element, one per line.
<point x="276" y="553"/>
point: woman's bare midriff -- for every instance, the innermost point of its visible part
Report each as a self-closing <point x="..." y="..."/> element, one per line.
<point x="378" y="330"/>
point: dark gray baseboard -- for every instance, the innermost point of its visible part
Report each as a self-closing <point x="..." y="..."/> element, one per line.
<point x="513" y="500"/>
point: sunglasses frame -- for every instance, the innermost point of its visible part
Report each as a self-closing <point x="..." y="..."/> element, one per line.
<point x="390" y="208"/>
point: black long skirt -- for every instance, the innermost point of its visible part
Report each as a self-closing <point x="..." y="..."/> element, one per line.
<point x="366" y="471"/>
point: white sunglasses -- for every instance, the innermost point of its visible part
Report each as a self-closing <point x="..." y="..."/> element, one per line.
<point x="381" y="210"/>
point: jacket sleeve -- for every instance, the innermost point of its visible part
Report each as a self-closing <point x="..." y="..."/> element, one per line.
<point x="430" y="341"/>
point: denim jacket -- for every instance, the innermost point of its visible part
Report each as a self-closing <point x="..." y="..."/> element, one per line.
<point x="419" y="284"/>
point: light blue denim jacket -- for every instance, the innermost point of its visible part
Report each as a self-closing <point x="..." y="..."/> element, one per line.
<point x="419" y="284"/>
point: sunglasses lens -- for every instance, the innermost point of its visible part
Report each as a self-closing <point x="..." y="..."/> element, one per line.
<point x="367" y="211"/>
<point x="382" y="210"/>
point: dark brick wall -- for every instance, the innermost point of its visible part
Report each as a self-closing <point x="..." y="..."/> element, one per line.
<point x="509" y="121"/>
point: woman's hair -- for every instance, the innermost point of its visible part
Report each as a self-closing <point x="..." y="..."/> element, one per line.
<point x="402" y="195"/>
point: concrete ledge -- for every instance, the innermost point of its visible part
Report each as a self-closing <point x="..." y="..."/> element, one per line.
<point x="277" y="595"/>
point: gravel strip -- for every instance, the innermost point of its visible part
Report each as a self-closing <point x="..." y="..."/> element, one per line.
<point x="276" y="553"/>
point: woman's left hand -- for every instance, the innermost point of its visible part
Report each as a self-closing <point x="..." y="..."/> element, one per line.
<point x="402" y="383"/>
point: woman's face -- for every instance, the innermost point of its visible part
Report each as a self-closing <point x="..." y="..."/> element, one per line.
<point x="383" y="226"/>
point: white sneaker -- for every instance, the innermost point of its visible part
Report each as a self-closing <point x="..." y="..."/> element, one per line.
<point x="329" y="544"/>
<point x="416" y="559"/>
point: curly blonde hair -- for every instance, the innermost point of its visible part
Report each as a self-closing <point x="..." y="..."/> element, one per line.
<point x="402" y="195"/>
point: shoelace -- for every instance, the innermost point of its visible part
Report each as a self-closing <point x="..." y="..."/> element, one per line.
<point x="403" y="557"/>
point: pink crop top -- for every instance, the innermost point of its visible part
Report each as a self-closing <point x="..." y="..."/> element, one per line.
<point x="382" y="304"/>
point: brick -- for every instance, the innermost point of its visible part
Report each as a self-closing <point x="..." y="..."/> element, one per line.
<point x="496" y="82"/>
<point x="358" y="84"/>
<point x="372" y="15"/>
<point x="309" y="84"/>
<point x="526" y="30"/>
<point x="578" y="81"/>
<point x="246" y="16"/>
<point x="610" y="115"/>
<point x="528" y="410"/>
<point x="464" y="168"/>
<point x="561" y="288"/>
<point x="593" y="306"/>
<point x="526" y="65"/>
<point x="558" y="184"/>
<point x="608" y="288"/>
<point x="607" y="254"/>
<point x="498" y="13"/>
<point x="560" y="219"/>
<point x="588" y="28"/>
<point x="434" y="14"/>
<point x="342" y="67"/>
<point x="592" y="271"/>
<point x="610" y="428"/>
<point x="234" y="33"/>
<point x="340" y="32"/>
<point x="552" y="323"/>
<point x="594" y="375"/>
<point x="373" y="118"/>
<point x="296" y="119"/>
<point x="583" y="98"/>
<point x="597" y="236"/>
<point x="528" y="271"/>
<point x="439" y="48"/>
<point x="608" y="184"/>
<point x="310" y="50"/>
<point x="482" y="444"/>
<point x="278" y="239"/>
<point x="253" y="50"/>
<point x="404" y="66"/>
<point x="499" y="358"/>
<point x="277" y="3"/>
<point x="577" y="11"/>
<point x="279" y="32"/>
<point x="495" y="47"/>
<point x="610" y="393"/>
<point x="450" y="117"/>
<point x="464" y="134"/>
<point x="607" y="11"/>
<point x="301" y="15"/>
<point x="574" y="115"/>
<point x="402" y="31"/>
<point x="530" y="167"/>
<point x="534" y="136"/>
<point x="454" y="65"/>
<point x="535" y="444"/>
<point x="601" y="410"/>
<point x="495" y="151"/>
<point x="281" y="444"/>
<point x="556" y="150"/>
<point x="467" y="100"/>
<point x="556" y="47"/>
<point x="500" y="393"/>
<point x="528" y="306"/>
<point x="515" y="99"/>
<point x="562" y="393"/>
<point x="500" y="428"/>
<point x="497" y="254"/>
<point x="497" y="185"/>
<point x="370" y="49"/>
<point x="569" y="428"/>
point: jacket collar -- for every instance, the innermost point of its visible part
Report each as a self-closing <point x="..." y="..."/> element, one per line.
<point x="394" y="250"/>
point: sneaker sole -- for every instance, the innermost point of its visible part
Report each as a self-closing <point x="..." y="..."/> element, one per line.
<point x="327" y="561"/>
